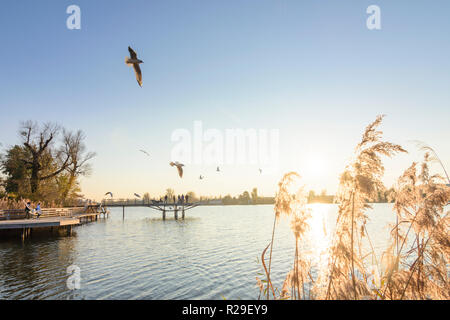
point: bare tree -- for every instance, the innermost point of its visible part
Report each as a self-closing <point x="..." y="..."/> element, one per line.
<point x="37" y="142"/>
<point x="45" y="161"/>
<point x="75" y="149"/>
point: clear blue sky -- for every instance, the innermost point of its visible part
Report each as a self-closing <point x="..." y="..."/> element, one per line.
<point x="308" y="68"/>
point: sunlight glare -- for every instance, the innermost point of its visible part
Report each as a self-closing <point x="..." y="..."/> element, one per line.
<point x="319" y="233"/>
<point x="315" y="165"/>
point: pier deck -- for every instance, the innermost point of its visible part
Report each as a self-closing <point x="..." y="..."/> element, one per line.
<point x="53" y="218"/>
<point x="39" y="223"/>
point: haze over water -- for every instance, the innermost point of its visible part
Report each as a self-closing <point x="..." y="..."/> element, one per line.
<point x="210" y="255"/>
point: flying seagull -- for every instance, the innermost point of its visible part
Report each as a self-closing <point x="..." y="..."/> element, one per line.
<point x="260" y="170"/>
<point x="145" y="152"/>
<point x="218" y="169"/>
<point x="137" y="195"/>
<point x="109" y="194"/>
<point x="179" y="167"/>
<point x="133" y="60"/>
<point x="201" y="177"/>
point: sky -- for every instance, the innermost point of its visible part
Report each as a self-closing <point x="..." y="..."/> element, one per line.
<point x="310" y="70"/>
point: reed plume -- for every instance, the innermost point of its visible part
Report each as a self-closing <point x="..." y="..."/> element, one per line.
<point x="290" y="202"/>
<point x="345" y="275"/>
<point x="359" y="184"/>
<point x="420" y="271"/>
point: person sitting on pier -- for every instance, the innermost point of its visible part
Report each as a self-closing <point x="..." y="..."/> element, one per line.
<point x="38" y="210"/>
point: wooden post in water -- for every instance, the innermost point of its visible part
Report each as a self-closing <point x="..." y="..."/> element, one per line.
<point x="25" y="233"/>
<point x="182" y="213"/>
<point x="123" y="213"/>
<point x="164" y="213"/>
<point x="176" y="213"/>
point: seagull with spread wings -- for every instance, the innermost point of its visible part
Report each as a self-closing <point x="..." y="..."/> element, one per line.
<point x="134" y="61"/>
<point x="110" y="193"/>
<point x="138" y="196"/>
<point x="179" y="167"/>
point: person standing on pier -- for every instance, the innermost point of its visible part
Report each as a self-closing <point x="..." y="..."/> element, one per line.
<point x="187" y="197"/>
<point x="165" y="199"/>
<point x="28" y="210"/>
<point x="182" y="199"/>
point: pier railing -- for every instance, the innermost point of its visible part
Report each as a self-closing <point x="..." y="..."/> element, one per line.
<point x="15" y="214"/>
<point x="140" y="202"/>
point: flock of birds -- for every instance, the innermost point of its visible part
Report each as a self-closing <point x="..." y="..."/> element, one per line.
<point x="179" y="167"/>
<point x="133" y="60"/>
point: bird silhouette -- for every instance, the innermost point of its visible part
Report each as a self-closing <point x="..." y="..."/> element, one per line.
<point x="110" y="193"/>
<point x="134" y="61"/>
<point x="260" y="170"/>
<point x="143" y="151"/>
<point x="218" y="169"/>
<point x="179" y="167"/>
<point x="201" y="177"/>
<point x="137" y="195"/>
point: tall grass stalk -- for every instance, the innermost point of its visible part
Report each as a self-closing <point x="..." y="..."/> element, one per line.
<point x="419" y="272"/>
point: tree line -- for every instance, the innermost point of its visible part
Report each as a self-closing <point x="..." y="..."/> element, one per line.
<point x="251" y="198"/>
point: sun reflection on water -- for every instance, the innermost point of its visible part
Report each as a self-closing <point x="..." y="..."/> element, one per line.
<point x="319" y="234"/>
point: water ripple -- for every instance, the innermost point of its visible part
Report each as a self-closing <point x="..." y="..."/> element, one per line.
<point x="211" y="255"/>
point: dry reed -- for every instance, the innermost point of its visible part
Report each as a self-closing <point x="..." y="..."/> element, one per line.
<point x="418" y="272"/>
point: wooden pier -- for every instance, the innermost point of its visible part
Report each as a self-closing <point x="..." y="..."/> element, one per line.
<point x="52" y="218"/>
<point x="164" y="208"/>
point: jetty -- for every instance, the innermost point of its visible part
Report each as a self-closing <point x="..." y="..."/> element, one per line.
<point x="61" y="219"/>
<point x="163" y="207"/>
<point x="15" y="221"/>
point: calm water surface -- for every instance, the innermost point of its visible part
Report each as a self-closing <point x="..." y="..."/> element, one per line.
<point x="210" y="255"/>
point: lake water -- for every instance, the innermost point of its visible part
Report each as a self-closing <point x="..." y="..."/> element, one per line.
<point x="212" y="254"/>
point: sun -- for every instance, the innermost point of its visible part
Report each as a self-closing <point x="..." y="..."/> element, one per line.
<point x="315" y="165"/>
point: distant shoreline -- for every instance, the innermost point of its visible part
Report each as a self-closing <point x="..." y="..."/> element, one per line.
<point x="271" y="204"/>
